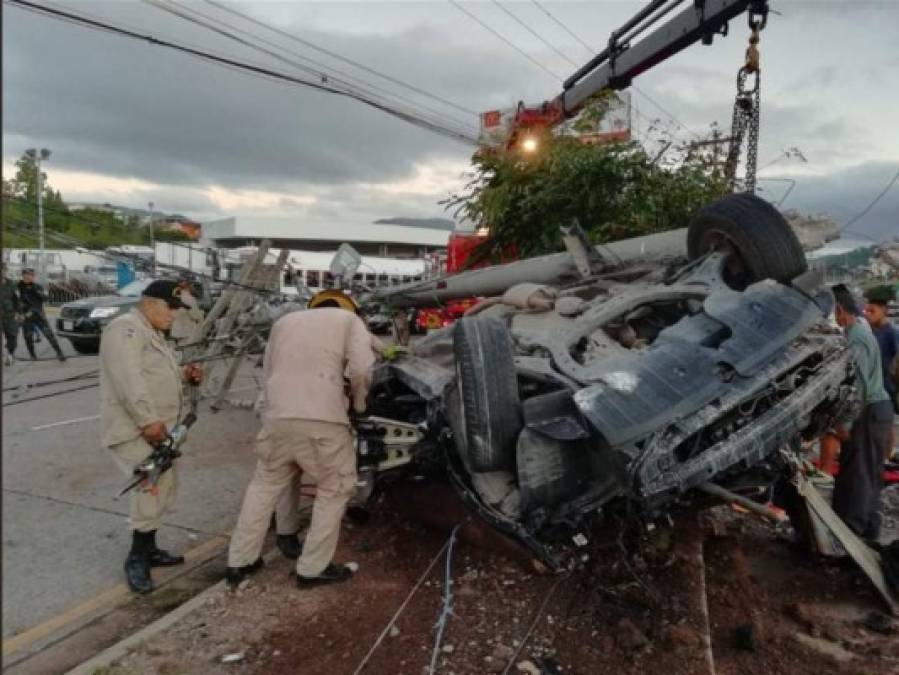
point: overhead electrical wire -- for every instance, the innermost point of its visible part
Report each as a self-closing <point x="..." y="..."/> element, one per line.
<point x="500" y="36"/>
<point x="242" y="66"/>
<point x="564" y="27"/>
<point x="536" y="34"/>
<point x="861" y="214"/>
<point x="185" y="13"/>
<point x="340" y="57"/>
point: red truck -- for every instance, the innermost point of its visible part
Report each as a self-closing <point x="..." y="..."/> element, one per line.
<point x="459" y="249"/>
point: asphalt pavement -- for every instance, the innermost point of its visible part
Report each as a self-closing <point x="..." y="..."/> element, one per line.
<point x="65" y="535"/>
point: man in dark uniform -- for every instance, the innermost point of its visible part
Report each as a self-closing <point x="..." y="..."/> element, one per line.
<point x="856" y="493"/>
<point x="11" y="315"/>
<point x="32" y="299"/>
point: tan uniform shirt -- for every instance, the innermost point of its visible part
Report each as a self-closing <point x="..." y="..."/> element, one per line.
<point x="140" y="379"/>
<point x="309" y="353"/>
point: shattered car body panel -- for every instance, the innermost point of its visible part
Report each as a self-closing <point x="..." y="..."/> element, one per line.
<point x="637" y="391"/>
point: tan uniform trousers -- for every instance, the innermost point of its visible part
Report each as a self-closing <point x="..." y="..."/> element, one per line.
<point x="322" y="450"/>
<point x="287" y="513"/>
<point x="147" y="507"/>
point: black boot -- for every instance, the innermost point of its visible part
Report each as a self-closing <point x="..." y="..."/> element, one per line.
<point x="234" y="575"/>
<point x="332" y="574"/>
<point x="161" y="558"/>
<point x="29" y="345"/>
<point x="289" y="545"/>
<point x="137" y="564"/>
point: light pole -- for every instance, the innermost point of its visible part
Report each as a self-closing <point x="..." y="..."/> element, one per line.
<point x="44" y="154"/>
<point x="152" y="238"/>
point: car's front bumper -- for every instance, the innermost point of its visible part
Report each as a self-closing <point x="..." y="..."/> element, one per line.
<point x="80" y="328"/>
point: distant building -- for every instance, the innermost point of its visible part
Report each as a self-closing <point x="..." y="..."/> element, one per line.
<point x="382" y="238"/>
<point x="177" y="223"/>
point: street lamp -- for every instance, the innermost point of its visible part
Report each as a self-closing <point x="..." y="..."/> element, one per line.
<point x="44" y="154"/>
<point x="152" y="238"/>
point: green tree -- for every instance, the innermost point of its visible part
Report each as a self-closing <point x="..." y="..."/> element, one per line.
<point x="613" y="191"/>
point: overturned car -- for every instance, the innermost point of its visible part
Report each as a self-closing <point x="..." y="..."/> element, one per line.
<point x="628" y="382"/>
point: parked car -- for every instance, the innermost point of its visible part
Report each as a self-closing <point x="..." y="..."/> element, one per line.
<point x="104" y="274"/>
<point x="621" y="389"/>
<point x="82" y="321"/>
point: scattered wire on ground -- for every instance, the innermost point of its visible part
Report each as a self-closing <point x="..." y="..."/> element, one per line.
<point x="534" y="623"/>
<point x="56" y="393"/>
<point x="402" y="607"/>
<point x="447" y="610"/>
<point x="47" y="383"/>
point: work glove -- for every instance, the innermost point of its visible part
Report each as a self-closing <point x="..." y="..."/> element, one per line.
<point x="392" y="352"/>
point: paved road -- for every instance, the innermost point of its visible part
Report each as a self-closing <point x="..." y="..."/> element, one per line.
<point x="64" y="534"/>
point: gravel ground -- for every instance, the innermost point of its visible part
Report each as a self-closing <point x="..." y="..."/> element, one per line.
<point x="771" y="609"/>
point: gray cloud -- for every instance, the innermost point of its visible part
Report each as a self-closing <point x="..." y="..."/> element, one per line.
<point x="121" y="108"/>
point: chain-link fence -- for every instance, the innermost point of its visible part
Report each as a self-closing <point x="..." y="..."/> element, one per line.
<point x="61" y="292"/>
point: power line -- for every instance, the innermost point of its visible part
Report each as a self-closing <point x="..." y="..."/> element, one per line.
<point x="324" y="77"/>
<point x="870" y="206"/>
<point x="501" y="37"/>
<point x="535" y="34"/>
<point x="342" y="58"/>
<point x="564" y="27"/>
<point x="659" y="106"/>
<point x="242" y="66"/>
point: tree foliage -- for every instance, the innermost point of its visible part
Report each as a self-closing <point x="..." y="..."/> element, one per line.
<point x="613" y="191"/>
<point x="64" y="228"/>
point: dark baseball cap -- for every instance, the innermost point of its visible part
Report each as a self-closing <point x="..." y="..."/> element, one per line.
<point x="166" y="290"/>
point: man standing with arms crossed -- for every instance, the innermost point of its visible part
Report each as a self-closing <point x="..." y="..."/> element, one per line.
<point x="142" y="398"/>
<point x="306" y="427"/>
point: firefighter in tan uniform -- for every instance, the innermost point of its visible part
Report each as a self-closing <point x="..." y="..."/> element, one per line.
<point x="306" y="428"/>
<point x="142" y="396"/>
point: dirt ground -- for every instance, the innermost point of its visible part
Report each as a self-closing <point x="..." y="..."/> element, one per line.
<point x="770" y="609"/>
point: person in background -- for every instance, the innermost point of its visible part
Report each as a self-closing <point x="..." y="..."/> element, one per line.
<point x="887" y="335"/>
<point x="189" y="317"/>
<point x="11" y="316"/>
<point x="856" y="494"/>
<point x="31" y="299"/>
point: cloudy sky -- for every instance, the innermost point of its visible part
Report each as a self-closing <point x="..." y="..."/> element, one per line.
<point x="129" y="122"/>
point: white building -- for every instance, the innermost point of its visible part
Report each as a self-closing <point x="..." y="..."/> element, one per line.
<point x="382" y="239"/>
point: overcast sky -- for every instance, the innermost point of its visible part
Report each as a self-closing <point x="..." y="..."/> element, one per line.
<point x="129" y="122"/>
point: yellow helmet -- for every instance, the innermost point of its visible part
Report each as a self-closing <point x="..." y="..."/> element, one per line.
<point x="336" y="297"/>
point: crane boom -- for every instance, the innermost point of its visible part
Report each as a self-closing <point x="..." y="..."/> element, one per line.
<point x="623" y="59"/>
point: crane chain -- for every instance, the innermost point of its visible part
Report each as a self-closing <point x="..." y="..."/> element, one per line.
<point x="746" y="119"/>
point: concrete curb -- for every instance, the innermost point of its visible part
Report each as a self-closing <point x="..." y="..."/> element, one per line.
<point x="118" y="650"/>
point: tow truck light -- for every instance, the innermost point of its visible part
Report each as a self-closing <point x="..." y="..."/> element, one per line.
<point x="529" y="145"/>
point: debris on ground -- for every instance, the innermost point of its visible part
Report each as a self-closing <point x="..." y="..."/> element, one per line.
<point x="770" y="609"/>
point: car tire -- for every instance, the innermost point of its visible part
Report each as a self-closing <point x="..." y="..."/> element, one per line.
<point x="86" y="346"/>
<point x="756" y="229"/>
<point x="488" y="387"/>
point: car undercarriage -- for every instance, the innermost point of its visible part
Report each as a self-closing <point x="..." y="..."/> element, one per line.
<point x="550" y="406"/>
